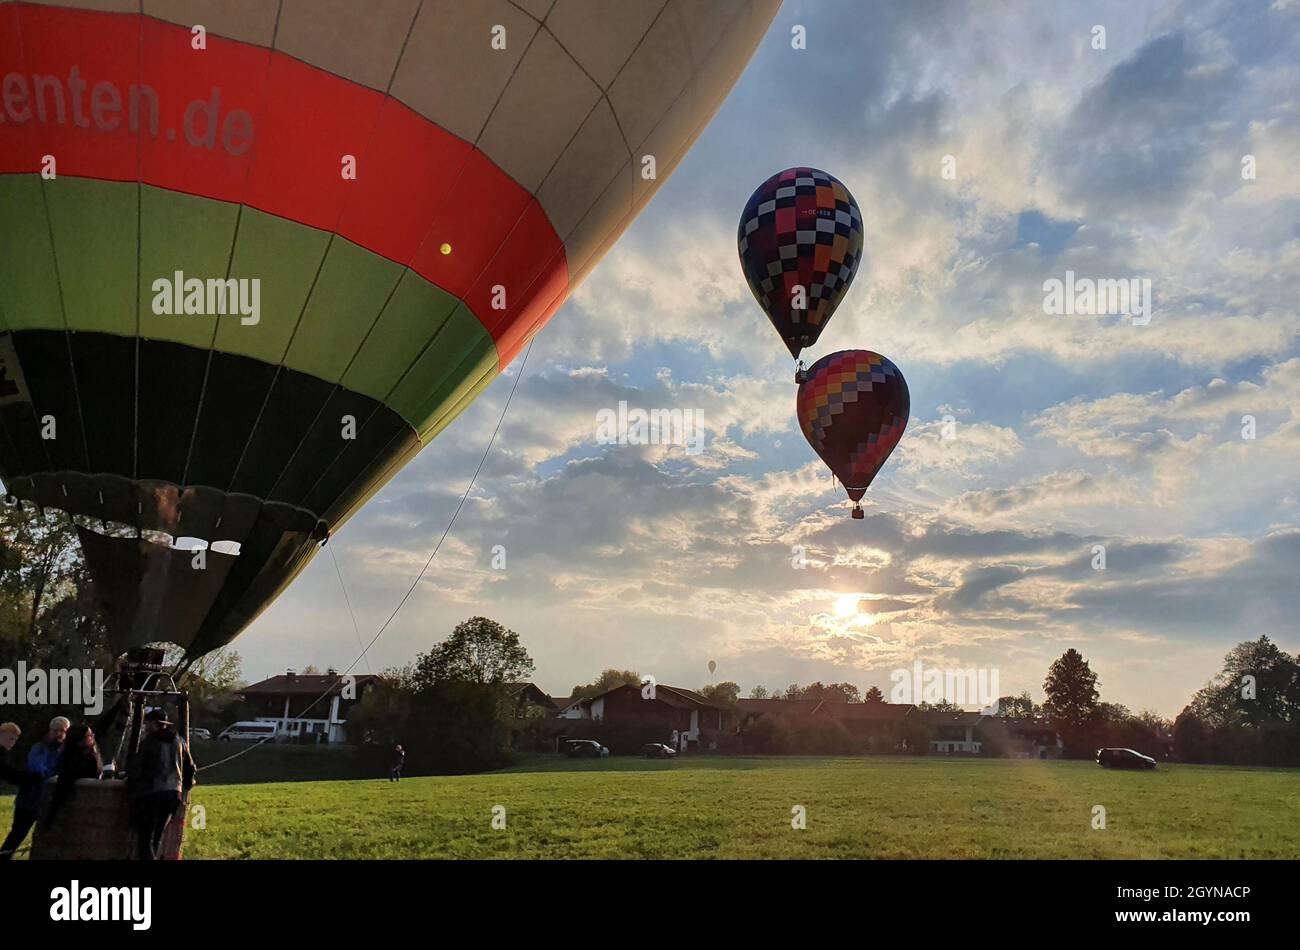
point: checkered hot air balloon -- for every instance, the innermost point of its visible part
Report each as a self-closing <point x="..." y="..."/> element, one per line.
<point x="800" y="242"/>
<point x="853" y="409"/>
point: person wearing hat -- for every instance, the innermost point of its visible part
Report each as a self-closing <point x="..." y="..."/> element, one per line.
<point x="42" y="762"/>
<point x="157" y="778"/>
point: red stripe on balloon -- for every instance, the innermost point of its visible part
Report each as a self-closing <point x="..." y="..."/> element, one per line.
<point x="124" y="97"/>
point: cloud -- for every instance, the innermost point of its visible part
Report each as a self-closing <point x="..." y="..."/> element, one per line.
<point x="1133" y="143"/>
<point x="950" y="445"/>
<point x="1070" y="432"/>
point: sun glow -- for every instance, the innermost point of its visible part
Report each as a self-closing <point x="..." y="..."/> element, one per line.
<point x="846" y="605"/>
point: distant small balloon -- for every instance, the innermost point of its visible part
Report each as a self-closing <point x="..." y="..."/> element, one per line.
<point x="712" y="666"/>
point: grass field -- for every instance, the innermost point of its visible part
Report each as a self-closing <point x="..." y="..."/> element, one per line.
<point x="277" y="762"/>
<point x="714" y="807"/>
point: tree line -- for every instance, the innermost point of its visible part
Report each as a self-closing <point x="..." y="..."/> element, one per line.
<point x="456" y="699"/>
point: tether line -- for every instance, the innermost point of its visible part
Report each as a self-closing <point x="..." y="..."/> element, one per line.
<point x="410" y="590"/>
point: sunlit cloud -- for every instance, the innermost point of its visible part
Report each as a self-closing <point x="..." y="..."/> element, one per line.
<point x="1034" y="439"/>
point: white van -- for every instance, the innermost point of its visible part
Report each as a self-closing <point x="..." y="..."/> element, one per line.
<point x="249" y="731"/>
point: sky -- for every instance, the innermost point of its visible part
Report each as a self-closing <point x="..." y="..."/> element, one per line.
<point x="1062" y="432"/>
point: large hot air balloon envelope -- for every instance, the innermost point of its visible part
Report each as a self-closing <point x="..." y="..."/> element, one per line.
<point x="853" y="408"/>
<point x="414" y="187"/>
<point x="800" y="243"/>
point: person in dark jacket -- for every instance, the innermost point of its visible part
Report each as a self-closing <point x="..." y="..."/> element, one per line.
<point x="9" y="736"/>
<point x="159" y="775"/>
<point x="80" y="759"/>
<point x="399" y="759"/>
<point x="13" y="774"/>
<point x="42" y="762"/>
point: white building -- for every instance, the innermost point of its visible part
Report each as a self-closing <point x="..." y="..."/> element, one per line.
<point x="308" y="704"/>
<point x="953" y="732"/>
<point x="669" y="711"/>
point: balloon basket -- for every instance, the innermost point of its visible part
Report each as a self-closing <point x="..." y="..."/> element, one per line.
<point x="857" y="513"/>
<point x="95" y="822"/>
<point x="95" y="825"/>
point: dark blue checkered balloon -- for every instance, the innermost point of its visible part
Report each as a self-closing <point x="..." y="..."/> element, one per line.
<point x="800" y="243"/>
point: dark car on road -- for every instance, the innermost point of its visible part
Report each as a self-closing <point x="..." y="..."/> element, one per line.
<point x="1124" y="759"/>
<point x="585" y="749"/>
<point x="657" y="750"/>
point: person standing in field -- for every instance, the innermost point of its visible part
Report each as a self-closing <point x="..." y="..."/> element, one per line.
<point x="157" y="779"/>
<point x="42" y="762"/>
<point x="399" y="759"/>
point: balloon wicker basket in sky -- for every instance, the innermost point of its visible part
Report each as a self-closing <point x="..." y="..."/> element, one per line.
<point x="801" y="242"/>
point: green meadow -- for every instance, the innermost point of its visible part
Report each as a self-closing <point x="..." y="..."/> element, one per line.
<point x="728" y="807"/>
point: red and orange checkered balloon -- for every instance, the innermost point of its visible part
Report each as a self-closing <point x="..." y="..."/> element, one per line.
<point x="853" y="408"/>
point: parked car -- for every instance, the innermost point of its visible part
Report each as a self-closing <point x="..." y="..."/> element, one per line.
<point x="1124" y="759"/>
<point x="200" y="733"/>
<point x="248" y="732"/>
<point x="657" y="750"/>
<point x="585" y="749"/>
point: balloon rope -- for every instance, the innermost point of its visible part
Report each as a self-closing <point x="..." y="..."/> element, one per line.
<point x="436" y="547"/>
<point x="348" y="600"/>
<point x="468" y="488"/>
<point x="213" y="765"/>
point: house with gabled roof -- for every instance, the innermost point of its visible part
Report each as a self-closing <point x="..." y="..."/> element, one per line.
<point x="669" y="713"/>
<point x="750" y="710"/>
<point x="953" y="732"/>
<point x="525" y="695"/>
<point x="878" y="725"/>
<point x="308" y="706"/>
<point x="1028" y="737"/>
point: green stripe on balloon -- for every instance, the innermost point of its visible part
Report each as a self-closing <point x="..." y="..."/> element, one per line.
<point x="28" y="287"/>
<point x="178" y="233"/>
<point x="329" y="308"/>
<point x="286" y="255"/>
<point x="454" y="368"/>
<point x="416" y="313"/>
